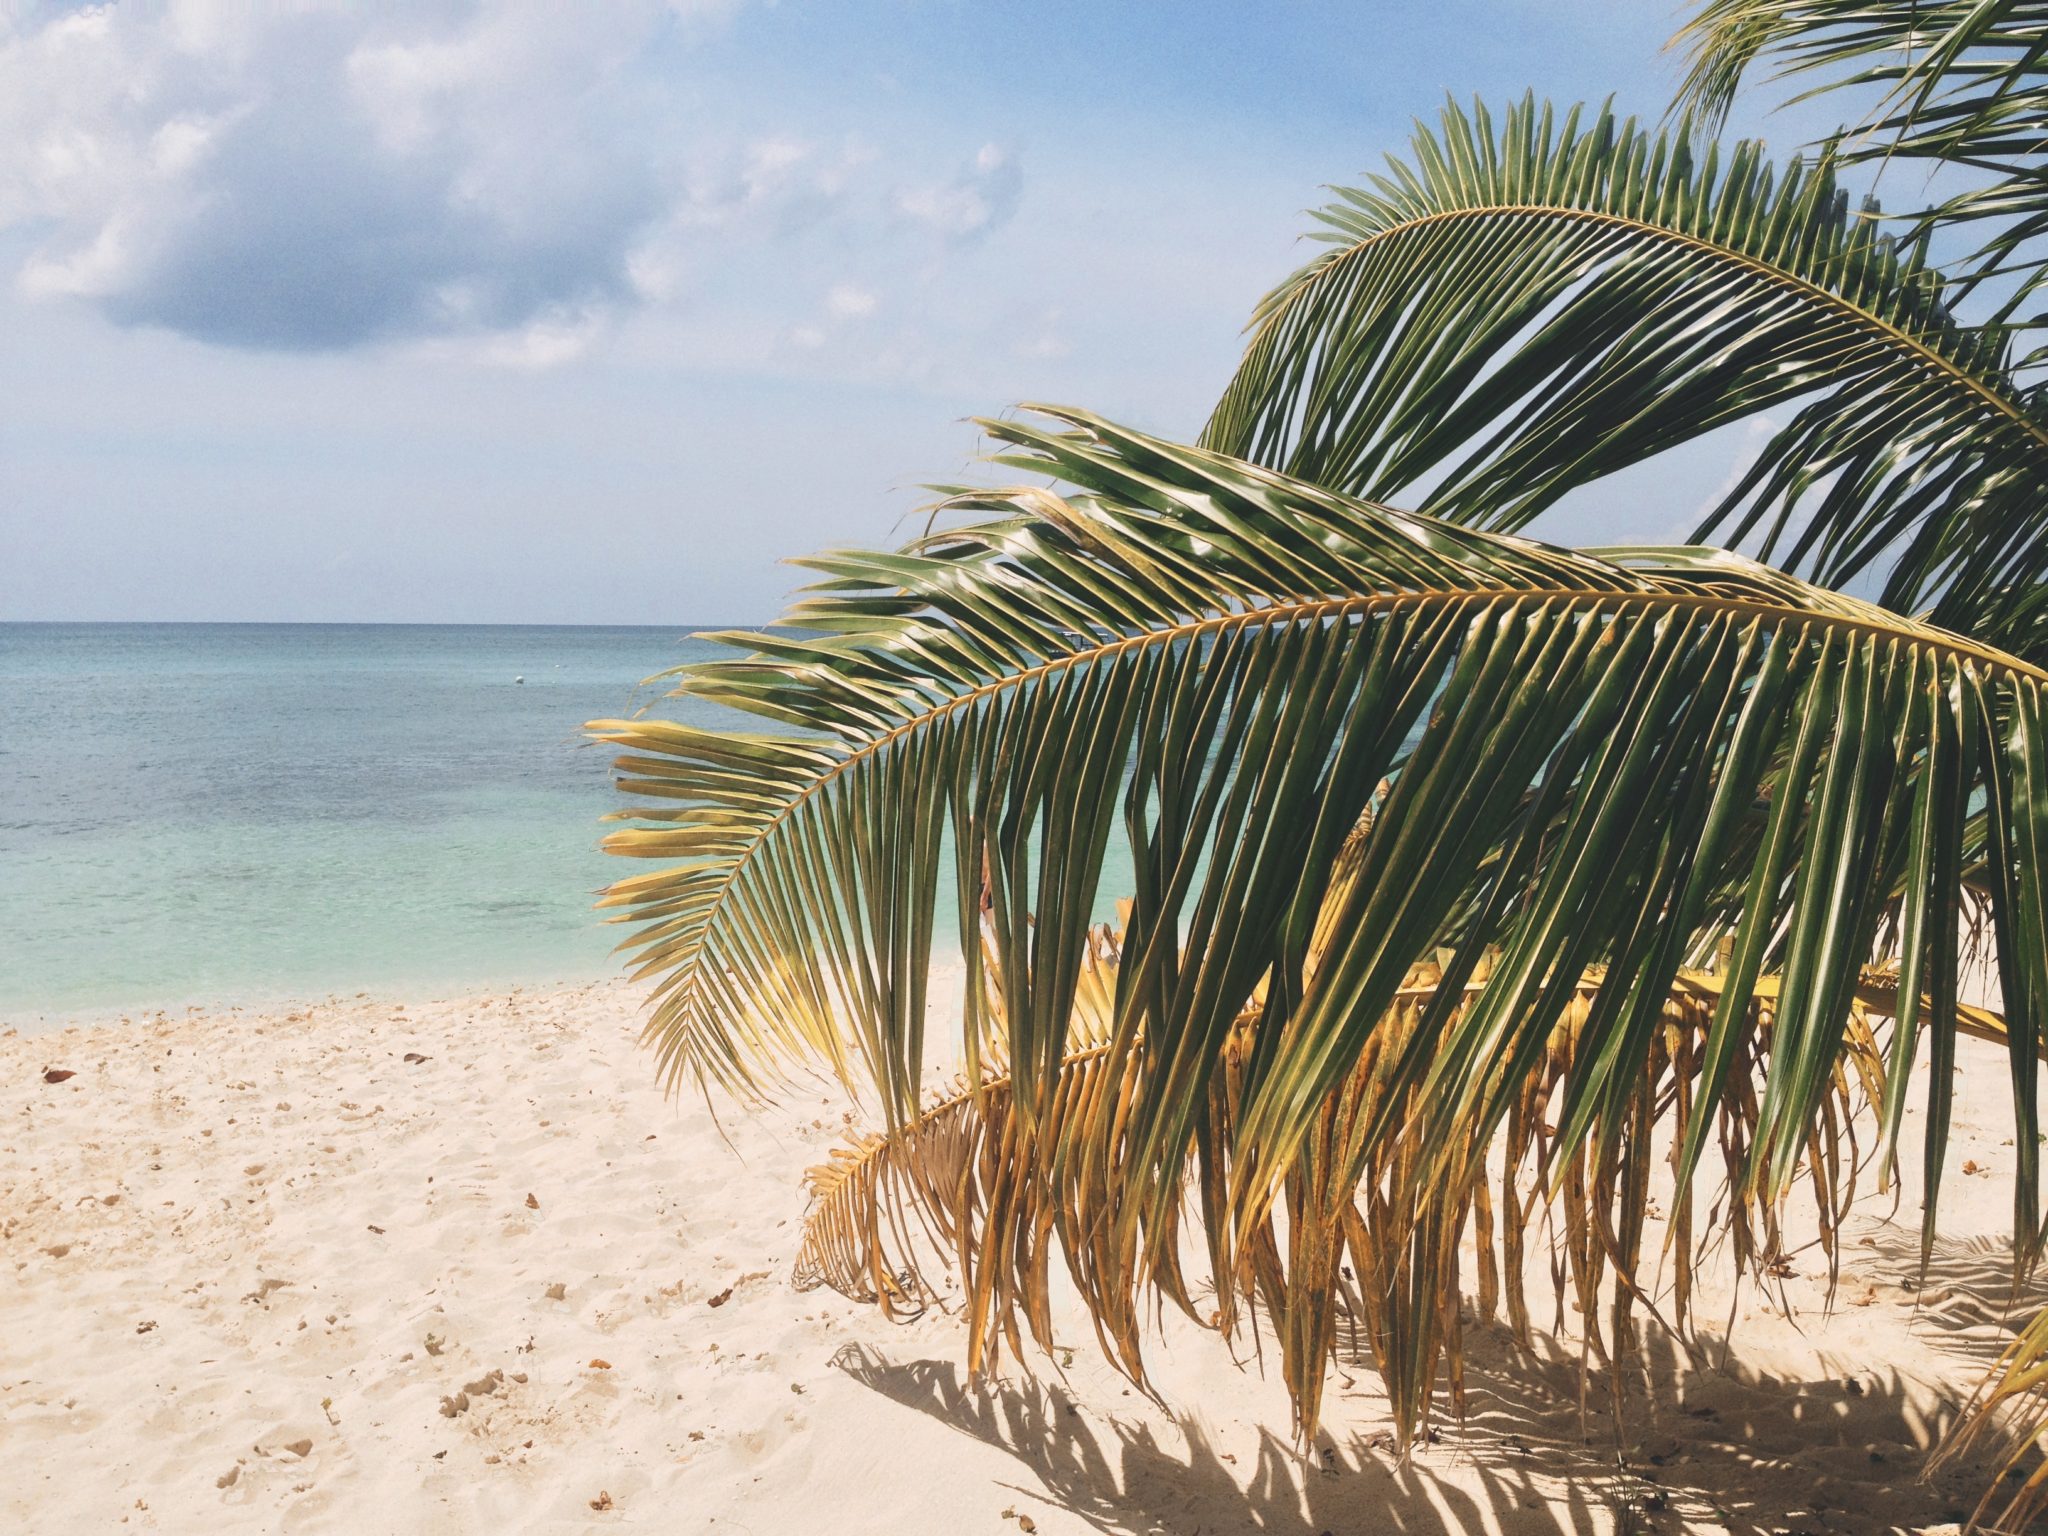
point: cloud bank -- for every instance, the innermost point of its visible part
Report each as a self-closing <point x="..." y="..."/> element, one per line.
<point x="513" y="176"/>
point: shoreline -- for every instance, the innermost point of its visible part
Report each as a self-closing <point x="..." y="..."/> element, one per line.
<point x="28" y="1024"/>
<point x="461" y="1266"/>
<point x="256" y="1003"/>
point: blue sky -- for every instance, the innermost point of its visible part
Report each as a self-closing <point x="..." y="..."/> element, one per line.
<point x="525" y="312"/>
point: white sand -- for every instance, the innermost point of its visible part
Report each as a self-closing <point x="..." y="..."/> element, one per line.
<point x="202" y="1328"/>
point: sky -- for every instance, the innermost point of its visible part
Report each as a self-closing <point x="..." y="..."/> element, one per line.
<point x="510" y="311"/>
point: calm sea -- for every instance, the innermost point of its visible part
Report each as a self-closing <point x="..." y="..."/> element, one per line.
<point x="248" y="813"/>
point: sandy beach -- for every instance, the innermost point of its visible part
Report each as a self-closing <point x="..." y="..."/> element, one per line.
<point x="458" y="1266"/>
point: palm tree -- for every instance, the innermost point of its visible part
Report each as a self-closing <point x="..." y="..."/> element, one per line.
<point x="1463" y="869"/>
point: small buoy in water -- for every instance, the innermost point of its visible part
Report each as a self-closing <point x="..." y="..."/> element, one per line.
<point x="519" y="679"/>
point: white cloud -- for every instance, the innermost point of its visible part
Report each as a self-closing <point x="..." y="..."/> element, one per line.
<point x="1044" y="346"/>
<point x="548" y="342"/>
<point x="303" y="178"/>
<point x="847" y="301"/>
<point x="315" y="176"/>
<point x="975" y="200"/>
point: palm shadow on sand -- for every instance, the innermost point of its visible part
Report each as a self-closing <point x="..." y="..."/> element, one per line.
<point x="1702" y="1443"/>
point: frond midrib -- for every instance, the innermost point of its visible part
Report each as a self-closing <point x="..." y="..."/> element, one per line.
<point x="1296" y="611"/>
<point x="1856" y="314"/>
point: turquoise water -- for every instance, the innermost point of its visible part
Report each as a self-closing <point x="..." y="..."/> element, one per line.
<point x="248" y="813"/>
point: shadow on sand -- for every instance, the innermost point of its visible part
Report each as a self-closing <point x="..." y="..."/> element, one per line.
<point x="1703" y="1444"/>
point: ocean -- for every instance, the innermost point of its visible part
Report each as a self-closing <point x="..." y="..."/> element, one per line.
<point x="254" y="813"/>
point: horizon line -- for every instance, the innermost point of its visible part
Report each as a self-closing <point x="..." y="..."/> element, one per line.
<point x="383" y="624"/>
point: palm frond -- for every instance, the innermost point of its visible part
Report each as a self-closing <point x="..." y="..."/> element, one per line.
<point x="945" y="1186"/>
<point x="1225" y="668"/>
<point x="2016" y="1386"/>
<point x="1959" y="83"/>
<point x="1506" y="315"/>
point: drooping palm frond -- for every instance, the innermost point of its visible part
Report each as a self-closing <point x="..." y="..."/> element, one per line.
<point x="944" y="1185"/>
<point x="2017" y="1386"/>
<point x="938" y="1182"/>
<point x="1958" y="84"/>
<point x="1507" y="315"/>
<point x="1222" y="666"/>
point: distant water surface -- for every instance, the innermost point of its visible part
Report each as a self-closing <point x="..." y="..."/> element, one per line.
<point x="247" y="813"/>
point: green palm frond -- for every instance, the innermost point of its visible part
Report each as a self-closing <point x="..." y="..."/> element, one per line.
<point x="1959" y="83"/>
<point x="1225" y="669"/>
<point x="1509" y="314"/>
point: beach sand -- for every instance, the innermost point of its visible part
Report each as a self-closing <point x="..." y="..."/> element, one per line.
<point x="460" y="1267"/>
